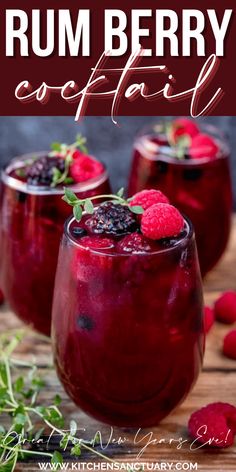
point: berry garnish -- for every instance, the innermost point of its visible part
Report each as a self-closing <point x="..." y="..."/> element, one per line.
<point x="161" y="221"/>
<point x="1" y="297"/>
<point x="225" y="308"/>
<point x="86" y="204"/>
<point x="187" y="142"/>
<point x="183" y="127"/>
<point x="229" y="346"/>
<point x="42" y="171"/>
<point x="111" y="218"/>
<point x="209" y="318"/>
<point x="84" y="167"/>
<point x="202" y="146"/>
<point x="134" y="243"/>
<point x="65" y="164"/>
<point x="147" y="198"/>
<point x="214" y="425"/>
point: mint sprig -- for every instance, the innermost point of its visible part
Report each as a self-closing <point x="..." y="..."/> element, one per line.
<point x="80" y="205"/>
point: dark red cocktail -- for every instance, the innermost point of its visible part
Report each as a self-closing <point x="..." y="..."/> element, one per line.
<point x="32" y="218"/>
<point x="197" y="182"/>
<point x="130" y="310"/>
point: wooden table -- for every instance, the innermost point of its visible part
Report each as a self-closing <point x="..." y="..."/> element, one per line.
<point x="217" y="382"/>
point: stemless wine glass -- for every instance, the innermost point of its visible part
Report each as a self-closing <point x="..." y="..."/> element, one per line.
<point x="133" y="341"/>
<point x="200" y="188"/>
<point x="32" y="219"/>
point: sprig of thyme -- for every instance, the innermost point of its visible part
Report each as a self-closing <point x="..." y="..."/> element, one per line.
<point x="79" y="205"/>
<point x="66" y="151"/>
<point x="19" y="400"/>
<point x="176" y="147"/>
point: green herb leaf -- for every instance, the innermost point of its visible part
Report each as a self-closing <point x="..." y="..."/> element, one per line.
<point x="68" y="180"/>
<point x="38" y="434"/>
<point x="81" y="143"/>
<point x="56" y="176"/>
<point x="121" y="192"/>
<point x="71" y="197"/>
<point x="138" y="210"/>
<point x="76" y="450"/>
<point x="77" y="211"/>
<point x="19" y="384"/>
<point x="57" y="400"/>
<point x="88" y="206"/>
<point x="57" y="458"/>
<point x="56" y="146"/>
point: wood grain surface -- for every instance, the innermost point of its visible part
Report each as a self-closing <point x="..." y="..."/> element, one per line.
<point x="217" y="382"/>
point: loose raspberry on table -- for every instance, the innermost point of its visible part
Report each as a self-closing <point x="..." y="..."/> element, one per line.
<point x="209" y="318"/>
<point x="84" y="167"/>
<point x="184" y="126"/>
<point x="1" y="297"/>
<point x="110" y="218"/>
<point x="161" y="221"/>
<point x="225" y="307"/>
<point x="134" y="242"/>
<point x="202" y="146"/>
<point x="214" y="425"/>
<point x="147" y="198"/>
<point x="229" y="345"/>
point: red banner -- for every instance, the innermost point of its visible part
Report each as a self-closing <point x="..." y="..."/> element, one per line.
<point x="53" y="61"/>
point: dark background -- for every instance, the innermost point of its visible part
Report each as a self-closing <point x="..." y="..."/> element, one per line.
<point x="110" y="143"/>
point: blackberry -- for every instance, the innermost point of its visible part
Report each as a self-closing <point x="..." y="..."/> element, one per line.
<point x="109" y="218"/>
<point x="41" y="171"/>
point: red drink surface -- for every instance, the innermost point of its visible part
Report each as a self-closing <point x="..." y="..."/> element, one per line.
<point x="199" y="188"/>
<point x="32" y="220"/>
<point x="132" y="343"/>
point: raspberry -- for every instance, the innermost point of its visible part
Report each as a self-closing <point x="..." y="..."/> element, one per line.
<point x="1" y="297"/>
<point x="42" y="170"/>
<point x="161" y="221"/>
<point x="113" y="219"/>
<point x="84" y="167"/>
<point x="203" y="145"/>
<point x="184" y="126"/>
<point x="147" y="198"/>
<point x="134" y="242"/>
<point x="225" y="308"/>
<point x="209" y="318"/>
<point x="214" y="425"/>
<point x="229" y="346"/>
<point x="96" y="242"/>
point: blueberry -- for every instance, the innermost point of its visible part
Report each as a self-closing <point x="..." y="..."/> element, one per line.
<point x="85" y="322"/>
<point x="21" y="197"/>
<point x="78" y="232"/>
<point x="162" y="167"/>
<point x="192" y="174"/>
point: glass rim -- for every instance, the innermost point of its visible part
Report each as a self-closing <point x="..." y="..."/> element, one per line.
<point x="190" y="236"/>
<point x="146" y="131"/>
<point x="21" y="186"/>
